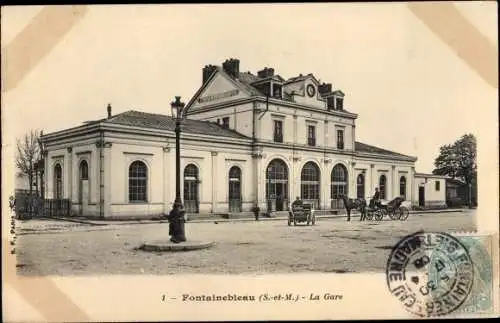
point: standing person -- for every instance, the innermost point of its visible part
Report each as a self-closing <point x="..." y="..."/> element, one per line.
<point x="12" y="203"/>
<point x="375" y="199"/>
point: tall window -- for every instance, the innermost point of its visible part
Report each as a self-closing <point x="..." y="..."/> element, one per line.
<point x="191" y="184"/>
<point x="58" y="182"/>
<point x="309" y="185"/>
<point x="311" y="135"/>
<point x="339" y="181"/>
<point x="382" y="187"/>
<point x="278" y="131"/>
<point x="360" y="186"/>
<point x="234" y="183"/>
<point x="225" y="122"/>
<point x="137" y="182"/>
<point x="402" y="187"/>
<point x="84" y="170"/>
<point x="340" y="139"/>
<point x="438" y="185"/>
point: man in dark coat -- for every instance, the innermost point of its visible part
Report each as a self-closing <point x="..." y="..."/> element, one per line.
<point x="297" y="203"/>
<point x="376" y="198"/>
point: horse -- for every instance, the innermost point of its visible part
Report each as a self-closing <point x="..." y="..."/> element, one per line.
<point x="357" y="204"/>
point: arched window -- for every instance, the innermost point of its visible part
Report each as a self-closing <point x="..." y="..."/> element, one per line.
<point x="277" y="184"/>
<point x="84" y="170"/>
<point x="381" y="187"/>
<point x="137" y="182"/>
<point x="235" y="189"/>
<point x="338" y="185"/>
<point x="402" y="187"/>
<point x="191" y="188"/>
<point x="58" y="194"/>
<point x="360" y="186"/>
<point x="309" y="183"/>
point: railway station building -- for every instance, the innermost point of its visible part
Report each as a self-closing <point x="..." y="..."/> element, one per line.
<point x="248" y="139"/>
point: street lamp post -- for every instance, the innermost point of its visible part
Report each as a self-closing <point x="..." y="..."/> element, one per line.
<point x="176" y="215"/>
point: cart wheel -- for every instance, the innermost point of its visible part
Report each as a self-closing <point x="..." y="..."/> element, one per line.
<point x="403" y="213"/>
<point x="379" y="215"/>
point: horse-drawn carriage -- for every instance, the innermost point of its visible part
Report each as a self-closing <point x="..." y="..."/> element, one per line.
<point x="301" y="213"/>
<point x="393" y="209"/>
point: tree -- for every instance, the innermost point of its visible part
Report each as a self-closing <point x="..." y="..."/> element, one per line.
<point x="29" y="153"/>
<point x="458" y="161"/>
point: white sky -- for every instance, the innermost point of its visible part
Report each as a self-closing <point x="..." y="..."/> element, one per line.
<point x="411" y="91"/>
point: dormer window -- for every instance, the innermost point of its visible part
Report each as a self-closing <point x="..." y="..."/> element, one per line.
<point x="269" y="84"/>
<point x="277" y="91"/>
<point x="330" y="103"/>
<point x="271" y="88"/>
<point x="339" y="103"/>
<point x="264" y="88"/>
<point x="225" y="122"/>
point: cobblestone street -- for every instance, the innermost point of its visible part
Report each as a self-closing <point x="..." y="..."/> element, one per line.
<point x="332" y="245"/>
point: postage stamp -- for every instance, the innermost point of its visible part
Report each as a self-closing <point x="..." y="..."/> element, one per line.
<point x="436" y="273"/>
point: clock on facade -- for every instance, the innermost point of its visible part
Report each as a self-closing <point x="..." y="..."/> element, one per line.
<point x="311" y="90"/>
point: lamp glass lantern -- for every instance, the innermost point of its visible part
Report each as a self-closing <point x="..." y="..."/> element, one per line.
<point x="177" y="109"/>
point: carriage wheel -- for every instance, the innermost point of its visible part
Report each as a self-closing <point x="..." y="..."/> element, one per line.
<point x="403" y="213"/>
<point x="396" y="214"/>
<point x="379" y="215"/>
<point x="369" y="215"/>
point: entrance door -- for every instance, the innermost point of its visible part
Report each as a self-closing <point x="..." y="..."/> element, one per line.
<point x="191" y="189"/>
<point x="338" y="186"/>
<point x="421" y="196"/>
<point x="277" y="186"/>
<point x="234" y="189"/>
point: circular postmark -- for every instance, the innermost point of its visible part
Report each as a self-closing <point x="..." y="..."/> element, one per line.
<point x="430" y="273"/>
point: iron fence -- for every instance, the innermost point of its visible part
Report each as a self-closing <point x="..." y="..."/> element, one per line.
<point x="29" y="206"/>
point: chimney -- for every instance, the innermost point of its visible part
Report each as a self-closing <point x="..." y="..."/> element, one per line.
<point x="109" y="110"/>
<point x="208" y="70"/>
<point x="266" y="72"/>
<point x="325" y="88"/>
<point x="232" y="67"/>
